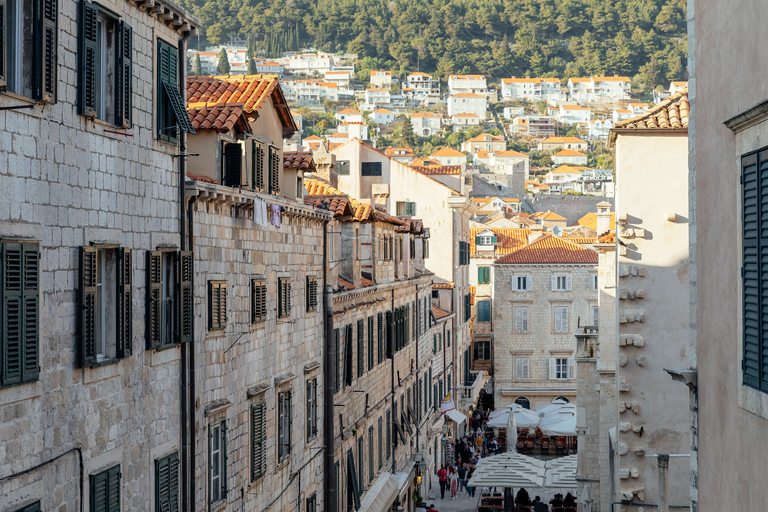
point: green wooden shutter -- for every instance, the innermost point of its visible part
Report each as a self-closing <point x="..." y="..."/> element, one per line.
<point x="154" y="311"/>
<point x="186" y="299"/>
<point x="494" y="239"/>
<point x="3" y="43"/>
<point x="162" y="485"/>
<point x="12" y="314"/>
<point x="88" y="56"/>
<point x="222" y="303"/>
<point x="99" y="485"/>
<point x="390" y="329"/>
<point x="274" y="170"/>
<point x="752" y="270"/>
<point x="31" y="298"/>
<point x="47" y="44"/>
<point x="371" y="344"/>
<point x="337" y="362"/>
<point x="258" y="437"/>
<point x="34" y="507"/>
<point x="257" y="166"/>
<point x="224" y="458"/>
<point x="124" y="304"/>
<point x="113" y="494"/>
<point x="380" y="317"/>
<point x="479" y="275"/>
<point x="336" y="486"/>
<point x="124" y="75"/>
<point x="348" y="376"/>
<point x="169" y="84"/>
<point x="233" y="164"/>
<point x="360" y="349"/>
<point x="352" y="476"/>
<point x="477" y="240"/>
<point x="87" y="292"/>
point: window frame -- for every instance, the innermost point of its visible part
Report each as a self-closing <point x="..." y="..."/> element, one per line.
<point x="312" y="297"/>
<point x="258" y="431"/>
<point x="521" y="279"/>
<point x="482" y="350"/>
<point x="112" y="477"/>
<point x="170" y="104"/>
<point x="482" y="311"/>
<point x="183" y="270"/>
<point x="217" y="429"/>
<point x="217" y="308"/>
<point x="170" y="502"/>
<point x="283" y="425"/>
<point x="562" y="279"/>
<point x="258" y="300"/>
<point x="371" y="169"/>
<point x="526" y="327"/>
<point x="311" y="408"/>
<point x="563" y="329"/>
<point x="283" y="297"/>
<point x="524" y="363"/>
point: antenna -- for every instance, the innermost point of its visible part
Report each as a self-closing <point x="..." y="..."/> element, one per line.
<point x="557" y="231"/>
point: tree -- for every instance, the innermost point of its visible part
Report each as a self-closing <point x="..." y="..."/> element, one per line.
<point x="197" y="67"/>
<point x="223" y="67"/>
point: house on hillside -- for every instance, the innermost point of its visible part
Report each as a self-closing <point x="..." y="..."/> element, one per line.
<point x="471" y="84"/>
<point x="462" y="121"/>
<point x="484" y="142"/>
<point x="402" y="155"/>
<point x="531" y="89"/>
<point x="381" y="79"/>
<point x="569" y="156"/>
<point x="599" y="129"/>
<point x="374" y="97"/>
<point x="449" y="156"/>
<point x="425" y="124"/>
<point x="573" y="143"/>
<point x="349" y="115"/>
<point x="574" y="114"/>
<point x="599" y="88"/>
<point x="467" y="103"/>
<point x="382" y="116"/>
<point x="536" y="127"/>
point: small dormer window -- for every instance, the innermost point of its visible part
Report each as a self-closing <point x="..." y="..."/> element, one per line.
<point x="487" y="240"/>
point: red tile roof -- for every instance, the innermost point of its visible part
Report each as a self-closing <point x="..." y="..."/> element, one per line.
<point x="217" y="118"/>
<point x="447" y="152"/>
<point x="360" y="211"/>
<point x="442" y="286"/>
<point x="672" y="113"/>
<point x="507" y="239"/>
<point x="435" y="170"/>
<point x="339" y="205"/>
<point x="197" y="177"/>
<point x="298" y="160"/>
<point x="550" y="249"/>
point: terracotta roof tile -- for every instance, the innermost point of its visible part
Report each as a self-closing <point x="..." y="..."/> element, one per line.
<point x="672" y="113"/>
<point x="581" y="240"/>
<point x="218" y="118"/>
<point x="439" y="313"/>
<point x="365" y="282"/>
<point x="482" y="136"/>
<point x="435" y="170"/>
<point x="569" y="152"/>
<point x="298" y="160"/>
<point x="550" y="249"/>
<point x="339" y="205"/>
<point x="197" y="177"/>
<point x="442" y="286"/>
<point x="447" y="152"/>
<point x="563" y="140"/>
<point x="345" y="285"/>
<point x="359" y="211"/>
<point x="590" y="220"/>
<point x="507" y="239"/>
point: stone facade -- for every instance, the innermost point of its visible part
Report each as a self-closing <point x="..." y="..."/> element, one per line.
<point x="67" y="182"/>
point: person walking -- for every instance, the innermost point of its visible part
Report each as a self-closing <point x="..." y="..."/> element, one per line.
<point x="463" y="470"/>
<point x="453" y="478"/>
<point x="442" y="477"/>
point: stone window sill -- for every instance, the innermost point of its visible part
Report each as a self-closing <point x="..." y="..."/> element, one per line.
<point x="753" y="401"/>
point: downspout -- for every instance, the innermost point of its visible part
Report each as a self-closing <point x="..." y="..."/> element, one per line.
<point x="392" y="384"/>
<point x="187" y="453"/>
<point x="328" y="373"/>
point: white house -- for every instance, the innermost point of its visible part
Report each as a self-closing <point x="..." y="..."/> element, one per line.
<point x="425" y="124"/>
<point x="377" y="97"/>
<point x="419" y="82"/>
<point x="460" y="121"/>
<point x="569" y="156"/>
<point x="551" y="143"/>
<point x="563" y="178"/>
<point x="309" y="63"/>
<point x="341" y="78"/>
<point x="402" y="155"/>
<point x="449" y="156"/>
<point x="620" y="114"/>
<point x="510" y="112"/>
<point x="310" y="91"/>
<point x="349" y="115"/>
<point x="534" y="126"/>
<point x="467" y="103"/>
<point x="382" y="116"/>
<point x="675" y="87"/>
<point x="531" y="89"/>
<point x="599" y="88"/>
<point x="338" y="138"/>
<point x="354" y="129"/>
<point x="573" y="114"/>
<point x="484" y="142"/>
<point x="638" y="108"/>
<point x="475" y="84"/>
<point x="381" y="79"/>
<point x="599" y="129"/>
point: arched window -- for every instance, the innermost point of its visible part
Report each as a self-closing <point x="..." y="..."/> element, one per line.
<point x="523" y="402"/>
<point x="563" y="399"/>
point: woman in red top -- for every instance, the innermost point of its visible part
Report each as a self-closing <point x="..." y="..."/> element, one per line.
<point x="442" y="476"/>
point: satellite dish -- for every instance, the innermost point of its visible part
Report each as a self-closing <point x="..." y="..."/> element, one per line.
<point x="557" y="231"/>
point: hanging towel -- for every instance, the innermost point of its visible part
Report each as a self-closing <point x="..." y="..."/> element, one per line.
<point x="260" y="216"/>
<point x="275" y="218"/>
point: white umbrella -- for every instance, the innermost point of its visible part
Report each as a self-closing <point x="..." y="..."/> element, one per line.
<point x="565" y="427"/>
<point x="523" y="418"/>
<point x="508" y="469"/>
<point x="561" y="472"/>
<point x="556" y="404"/>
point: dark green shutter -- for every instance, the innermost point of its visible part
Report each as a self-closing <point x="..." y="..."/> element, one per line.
<point x="348" y="376"/>
<point x="47" y="44"/>
<point x="186" y="298"/>
<point x="360" y="349"/>
<point x="352" y="477"/>
<point x="477" y="240"/>
<point x="494" y="239"/>
<point x="371" y="470"/>
<point x="336" y="359"/>
<point x="34" y="507"/>
<point x="274" y="170"/>
<point x="257" y="166"/>
<point x="233" y="164"/>
<point x="390" y="332"/>
<point x="124" y="304"/>
<point x="380" y="317"/>
<point x="754" y="246"/>
<point x="258" y="437"/>
<point x="31" y="297"/>
<point x="88" y="279"/>
<point x="105" y="491"/>
<point x="124" y="75"/>
<point x="12" y="314"/>
<point x="336" y="486"/>
<point x="169" y="80"/>
<point x="88" y="56"/>
<point x="3" y="43"/>
<point x="167" y="484"/>
<point x="224" y="459"/>
<point x="154" y="311"/>
<point x="371" y="344"/>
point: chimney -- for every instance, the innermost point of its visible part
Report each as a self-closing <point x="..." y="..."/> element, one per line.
<point x="603" y="218"/>
<point x="325" y="166"/>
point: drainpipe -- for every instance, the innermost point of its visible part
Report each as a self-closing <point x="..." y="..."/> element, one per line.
<point x="328" y="373"/>
<point x="392" y="384"/>
<point x="663" y="482"/>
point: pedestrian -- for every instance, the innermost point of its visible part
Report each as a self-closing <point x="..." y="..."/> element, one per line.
<point x="539" y="506"/>
<point x="442" y="477"/>
<point x="432" y="508"/>
<point x="463" y="470"/>
<point x="453" y="478"/>
<point x="471" y="490"/>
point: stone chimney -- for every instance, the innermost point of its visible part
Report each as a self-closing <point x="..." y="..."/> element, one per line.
<point x="325" y="166"/>
<point x="603" y="217"/>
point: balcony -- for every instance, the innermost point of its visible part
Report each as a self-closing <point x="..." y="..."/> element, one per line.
<point x="587" y="342"/>
<point x="468" y="394"/>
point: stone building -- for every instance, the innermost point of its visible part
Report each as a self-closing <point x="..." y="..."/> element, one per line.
<point x="258" y="283"/>
<point x="542" y="293"/>
<point x="90" y="184"/>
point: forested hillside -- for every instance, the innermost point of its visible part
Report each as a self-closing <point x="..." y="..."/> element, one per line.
<point x="501" y="38"/>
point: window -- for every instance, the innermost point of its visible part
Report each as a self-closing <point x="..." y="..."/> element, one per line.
<point x="29" y="47"/>
<point x="258" y="300"/>
<point x="482" y="350"/>
<point x="171" y="108"/>
<point x="486" y="240"/>
<point x="483" y="275"/>
<point x="467" y="307"/>
<point x="283" y="297"/>
<point x="595" y="316"/>
<point x="258" y="440"/>
<point x="353" y="489"/>
<point x="217" y="305"/>
<point x="231" y="164"/>
<point x="521" y="318"/>
<point x="311" y="408"/>
<point x="105" y="304"/>
<point x="33" y="507"/>
<point x="561" y="283"/>
<point x="342" y="167"/>
<point x="406" y="208"/>
<point x="312" y="503"/>
<point x="561" y="319"/>
<point x="336" y="361"/>
<point x="521" y="283"/>
<point x="167" y="483"/>
<point x="562" y="368"/>
<point x="360" y="348"/>
<point x="593" y="279"/>
<point x="274" y="165"/>
<point x="257" y="166"/>
<point x="381" y="442"/>
<point x="283" y="425"/>
<point x="522" y="365"/>
<point x="371" y="169"/>
<point x="217" y="462"/>
<point x="382" y="334"/>
<point x="389" y="434"/>
<point x="336" y="486"/>
<point x="20" y="313"/>
<point x="371" y="344"/>
<point x="448" y="339"/>
<point x="169" y="298"/>
<point x="754" y="287"/>
<point x="463" y="253"/>
<point x="311" y="293"/>
<point x="348" y="375"/>
<point x="484" y="311"/>
<point x="371" y="469"/>
<point x="360" y="459"/>
<point x="105" y="490"/>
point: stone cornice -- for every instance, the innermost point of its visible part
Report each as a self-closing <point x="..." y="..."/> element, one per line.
<point x="170" y="14"/>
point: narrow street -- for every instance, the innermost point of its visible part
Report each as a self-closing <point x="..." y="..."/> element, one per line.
<point x="461" y="504"/>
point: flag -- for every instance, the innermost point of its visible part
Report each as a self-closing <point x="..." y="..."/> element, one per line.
<point x="447" y="404"/>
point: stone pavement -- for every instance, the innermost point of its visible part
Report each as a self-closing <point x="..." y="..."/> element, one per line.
<point x="460" y="504"/>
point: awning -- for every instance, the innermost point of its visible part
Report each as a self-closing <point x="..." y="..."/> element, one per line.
<point x="456" y="417"/>
<point x="404" y="477"/>
<point x="381" y="495"/>
<point x="438" y="424"/>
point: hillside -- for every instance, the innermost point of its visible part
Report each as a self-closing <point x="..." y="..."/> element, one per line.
<point x="644" y="39"/>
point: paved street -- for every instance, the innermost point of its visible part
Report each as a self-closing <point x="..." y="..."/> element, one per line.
<point x="461" y="504"/>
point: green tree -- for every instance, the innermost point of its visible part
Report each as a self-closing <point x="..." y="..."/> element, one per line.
<point x="197" y="67"/>
<point x="223" y="66"/>
<point x="251" y="65"/>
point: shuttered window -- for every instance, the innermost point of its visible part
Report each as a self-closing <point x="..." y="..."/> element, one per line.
<point x="29" y="48"/>
<point x="484" y="311"/>
<point x="283" y="425"/>
<point x="381" y="443"/>
<point x="561" y="319"/>
<point x="388" y="443"/>
<point x="336" y="361"/>
<point x="258" y="166"/>
<point x="20" y="314"/>
<point x="274" y="170"/>
<point x="283" y="297"/>
<point x="311" y="408"/>
<point x="217" y="463"/>
<point x="390" y="334"/>
<point x="172" y="113"/>
<point x="231" y="164"/>
<point x="167" y="483"/>
<point x="352" y="480"/>
<point x="371" y="469"/>
<point x="336" y="487"/>
<point x="312" y="503"/>
<point x="381" y="332"/>
<point x="311" y="289"/>
<point x="370" y="169"/>
<point x="371" y="344"/>
<point x="348" y="375"/>
<point x="105" y="490"/>
<point x="406" y="208"/>
<point x="482" y="350"/>
<point x="217" y="305"/>
<point x="258" y="440"/>
<point x="34" y="507"/>
<point x="483" y="275"/>
<point x="754" y="269"/>
<point x="521" y="283"/>
<point x="169" y="298"/>
<point x="521" y="319"/>
<point x="361" y="465"/>
<point x="258" y="300"/>
<point x="360" y="348"/>
<point x="105" y="299"/>
<point x="522" y="365"/>
<point x="561" y="283"/>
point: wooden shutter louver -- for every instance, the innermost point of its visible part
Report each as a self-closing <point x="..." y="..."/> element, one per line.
<point x="154" y="283"/>
<point x="12" y="313"/>
<point x="31" y="298"/>
<point x="233" y="164"/>
<point x="274" y="170"/>
<point x="48" y="45"/>
<point x="87" y="292"/>
<point x="380" y="318"/>
<point x="348" y="376"/>
<point x="311" y="288"/>
<point x="336" y="486"/>
<point x="258" y="300"/>
<point x="88" y="55"/>
<point x="186" y="301"/>
<point x="167" y="482"/>
<point x="352" y="475"/>
<point x="371" y="343"/>
<point x="257" y="165"/>
<point x="389" y="334"/>
<point x="124" y="304"/>
<point x="360" y="349"/>
<point x="259" y="436"/>
<point x="105" y="490"/>
<point x="124" y="75"/>
<point x="337" y="361"/>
